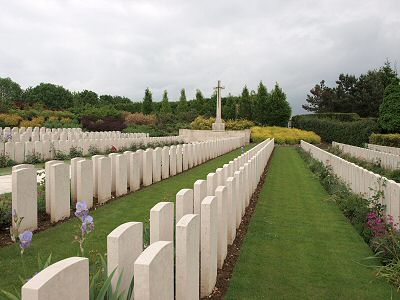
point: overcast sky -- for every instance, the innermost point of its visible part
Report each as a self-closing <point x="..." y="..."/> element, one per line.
<point x="120" y="47"/>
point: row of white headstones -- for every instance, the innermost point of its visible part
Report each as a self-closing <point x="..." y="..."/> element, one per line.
<point x="361" y="181"/>
<point x="22" y="134"/>
<point x="47" y="149"/>
<point x="207" y="219"/>
<point x="386" y="149"/>
<point x="386" y="160"/>
<point x="102" y="176"/>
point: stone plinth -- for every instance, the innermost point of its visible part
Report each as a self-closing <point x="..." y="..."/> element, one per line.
<point x="218" y="126"/>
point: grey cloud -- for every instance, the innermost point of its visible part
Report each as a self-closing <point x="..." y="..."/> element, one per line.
<point x="121" y="47"/>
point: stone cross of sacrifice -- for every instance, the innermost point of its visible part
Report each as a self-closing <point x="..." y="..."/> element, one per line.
<point x="218" y="88"/>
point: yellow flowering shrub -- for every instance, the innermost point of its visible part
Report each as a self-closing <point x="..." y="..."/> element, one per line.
<point x="9" y="120"/>
<point x="238" y="124"/>
<point x="52" y="119"/>
<point x="283" y="135"/>
<point x="35" y="122"/>
<point x="66" y="120"/>
<point x="201" y="123"/>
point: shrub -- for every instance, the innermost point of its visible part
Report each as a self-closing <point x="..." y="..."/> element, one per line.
<point x="201" y="123"/>
<point x="6" y="161"/>
<point x="344" y="117"/>
<point x="93" y="150"/>
<point x="283" y="135"/>
<point x="389" y="111"/>
<point x="75" y="152"/>
<point x="9" y="120"/>
<point x="109" y="123"/>
<point x="35" y="122"/>
<point x="352" y="133"/>
<point x="238" y="124"/>
<point x="59" y="155"/>
<point x="26" y="114"/>
<point x="100" y="112"/>
<point x="139" y="119"/>
<point x="391" y="140"/>
<point x="33" y="159"/>
<point x="5" y="210"/>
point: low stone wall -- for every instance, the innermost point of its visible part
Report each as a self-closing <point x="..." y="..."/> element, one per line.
<point x="203" y="135"/>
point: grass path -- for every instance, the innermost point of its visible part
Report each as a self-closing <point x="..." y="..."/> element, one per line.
<point x="133" y="207"/>
<point x="299" y="245"/>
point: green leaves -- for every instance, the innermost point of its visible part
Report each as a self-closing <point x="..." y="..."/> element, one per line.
<point x="389" y="111"/>
<point x="101" y="288"/>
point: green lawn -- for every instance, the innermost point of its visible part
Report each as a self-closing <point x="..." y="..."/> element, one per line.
<point x="299" y="245"/>
<point x="133" y="207"/>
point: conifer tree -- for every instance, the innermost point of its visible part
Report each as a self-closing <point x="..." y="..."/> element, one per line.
<point x="261" y="104"/>
<point x="245" y="110"/>
<point x="147" y="107"/>
<point x="165" y="106"/>
<point x="278" y="109"/>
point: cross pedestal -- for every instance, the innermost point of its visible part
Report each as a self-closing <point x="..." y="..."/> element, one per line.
<point x="218" y="126"/>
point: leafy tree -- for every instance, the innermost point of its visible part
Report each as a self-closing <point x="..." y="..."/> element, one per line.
<point x="165" y="107"/>
<point x="345" y="91"/>
<point x="10" y="91"/>
<point x="198" y="103"/>
<point x="51" y="95"/>
<point x="147" y="106"/>
<point x="321" y="98"/>
<point x="86" y="97"/>
<point x="106" y="99"/>
<point x="362" y="95"/>
<point x="229" y="108"/>
<point x="370" y="90"/>
<point x="389" y="111"/>
<point x="261" y="104"/>
<point x="245" y="111"/>
<point x="278" y="112"/>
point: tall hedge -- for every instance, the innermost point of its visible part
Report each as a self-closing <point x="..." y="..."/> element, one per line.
<point x="344" y="117"/>
<point x="353" y="133"/>
<point x="389" y="111"/>
<point x="391" y="140"/>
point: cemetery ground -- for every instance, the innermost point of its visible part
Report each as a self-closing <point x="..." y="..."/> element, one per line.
<point x="300" y="246"/>
<point x="58" y="240"/>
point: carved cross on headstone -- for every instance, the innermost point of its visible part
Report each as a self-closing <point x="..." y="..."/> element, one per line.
<point x="218" y="88"/>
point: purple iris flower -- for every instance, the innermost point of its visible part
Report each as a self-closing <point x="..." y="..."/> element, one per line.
<point x="87" y="224"/>
<point x="25" y="239"/>
<point x="81" y="209"/>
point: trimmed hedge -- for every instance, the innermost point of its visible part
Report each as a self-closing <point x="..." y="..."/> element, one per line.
<point x="352" y="133"/>
<point x="391" y="140"/>
<point x="344" y="117"/>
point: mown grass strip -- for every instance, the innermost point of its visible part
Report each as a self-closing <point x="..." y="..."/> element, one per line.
<point x="300" y="246"/>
